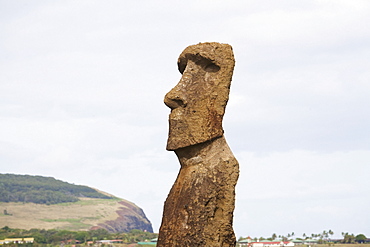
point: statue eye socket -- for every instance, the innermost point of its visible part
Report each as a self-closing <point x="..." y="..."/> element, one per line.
<point x="203" y="62"/>
<point x="211" y="67"/>
<point x="181" y="67"/>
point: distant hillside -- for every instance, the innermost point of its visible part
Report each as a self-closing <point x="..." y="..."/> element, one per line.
<point x="42" y="190"/>
<point x="46" y="203"/>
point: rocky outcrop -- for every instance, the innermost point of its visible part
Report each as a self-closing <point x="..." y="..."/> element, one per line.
<point x="199" y="208"/>
<point x="115" y="215"/>
<point x="129" y="217"/>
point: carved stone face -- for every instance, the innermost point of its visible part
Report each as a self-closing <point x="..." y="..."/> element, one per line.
<point x="198" y="101"/>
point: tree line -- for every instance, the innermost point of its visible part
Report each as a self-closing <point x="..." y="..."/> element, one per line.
<point x="56" y="237"/>
<point x="42" y="190"/>
<point x="351" y="238"/>
<point x="323" y="237"/>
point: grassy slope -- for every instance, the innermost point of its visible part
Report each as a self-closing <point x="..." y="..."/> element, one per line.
<point x="80" y="215"/>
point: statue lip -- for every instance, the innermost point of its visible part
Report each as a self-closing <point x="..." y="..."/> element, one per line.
<point x="176" y="113"/>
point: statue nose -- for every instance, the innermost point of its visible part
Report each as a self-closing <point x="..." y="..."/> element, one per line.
<point x="175" y="98"/>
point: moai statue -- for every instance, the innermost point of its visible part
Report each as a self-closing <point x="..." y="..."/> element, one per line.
<point x="199" y="208"/>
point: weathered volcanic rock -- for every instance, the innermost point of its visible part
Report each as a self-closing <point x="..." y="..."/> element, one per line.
<point x="199" y="208"/>
<point x="129" y="217"/>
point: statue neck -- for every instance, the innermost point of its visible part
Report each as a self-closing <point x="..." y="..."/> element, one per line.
<point x="204" y="153"/>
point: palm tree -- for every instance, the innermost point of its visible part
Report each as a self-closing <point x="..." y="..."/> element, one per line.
<point x="331" y="232"/>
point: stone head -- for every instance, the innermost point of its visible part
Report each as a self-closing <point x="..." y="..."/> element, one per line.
<point x="198" y="101"/>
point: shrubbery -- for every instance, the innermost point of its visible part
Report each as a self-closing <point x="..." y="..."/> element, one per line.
<point x="42" y="190"/>
<point x="56" y="237"/>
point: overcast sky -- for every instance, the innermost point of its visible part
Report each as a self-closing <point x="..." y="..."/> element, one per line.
<point x="81" y="99"/>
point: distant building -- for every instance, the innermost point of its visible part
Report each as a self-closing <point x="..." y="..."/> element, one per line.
<point x="248" y="243"/>
<point x="71" y="241"/>
<point x="297" y="241"/>
<point x="310" y="242"/>
<point x="16" y="241"/>
<point x="151" y="242"/>
<point x="112" y="241"/>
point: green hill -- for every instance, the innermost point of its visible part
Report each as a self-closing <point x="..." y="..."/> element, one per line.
<point x="28" y="202"/>
<point x="42" y="190"/>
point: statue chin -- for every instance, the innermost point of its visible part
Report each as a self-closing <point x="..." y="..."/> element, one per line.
<point x="182" y="135"/>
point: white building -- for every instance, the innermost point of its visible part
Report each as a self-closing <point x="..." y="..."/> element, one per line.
<point x="16" y="240"/>
<point x="247" y="243"/>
